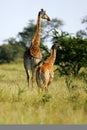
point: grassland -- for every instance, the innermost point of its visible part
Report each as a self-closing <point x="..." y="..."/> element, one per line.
<point x="64" y="103"/>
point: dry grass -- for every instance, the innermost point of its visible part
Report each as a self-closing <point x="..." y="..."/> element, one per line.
<point x="64" y="103"/>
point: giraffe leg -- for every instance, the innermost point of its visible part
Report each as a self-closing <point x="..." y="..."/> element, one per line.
<point x="45" y="81"/>
<point x="45" y="88"/>
<point x="33" y="76"/>
<point x="32" y="81"/>
<point x="28" y="78"/>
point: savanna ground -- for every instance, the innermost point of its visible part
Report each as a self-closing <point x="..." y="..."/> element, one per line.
<point x="64" y="103"/>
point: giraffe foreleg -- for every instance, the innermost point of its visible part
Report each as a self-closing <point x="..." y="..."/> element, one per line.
<point x="28" y="77"/>
<point x="33" y="76"/>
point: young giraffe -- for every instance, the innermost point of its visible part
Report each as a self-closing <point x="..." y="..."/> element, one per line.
<point x="45" y="73"/>
<point x="33" y="55"/>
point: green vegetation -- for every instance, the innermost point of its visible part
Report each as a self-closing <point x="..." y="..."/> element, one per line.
<point x="73" y="55"/>
<point x="64" y="103"/>
<point x="66" y="100"/>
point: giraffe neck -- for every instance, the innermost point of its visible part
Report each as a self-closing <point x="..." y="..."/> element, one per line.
<point x="52" y="57"/>
<point x="36" y="38"/>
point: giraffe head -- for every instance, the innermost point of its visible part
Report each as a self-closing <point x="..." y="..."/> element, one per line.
<point x="56" y="46"/>
<point x="43" y="15"/>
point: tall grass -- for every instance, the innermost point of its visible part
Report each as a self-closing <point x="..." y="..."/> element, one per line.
<point x="64" y="103"/>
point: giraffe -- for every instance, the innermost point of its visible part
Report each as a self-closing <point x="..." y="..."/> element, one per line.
<point x="33" y="55"/>
<point x="45" y="73"/>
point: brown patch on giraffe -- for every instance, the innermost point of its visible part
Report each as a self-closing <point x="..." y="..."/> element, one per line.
<point x="35" y="52"/>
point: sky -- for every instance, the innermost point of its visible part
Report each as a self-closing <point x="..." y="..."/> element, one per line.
<point x="15" y="14"/>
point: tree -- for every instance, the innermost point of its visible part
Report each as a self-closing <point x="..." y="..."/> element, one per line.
<point x="11" y="51"/>
<point x="83" y="33"/>
<point x="27" y="34"/>
<point x="74" y="53"/>
<point x="48" y="27"/>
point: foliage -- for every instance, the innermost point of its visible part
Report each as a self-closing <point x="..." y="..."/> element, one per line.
<point x="11" y="51"/>
<point x="27" y="34"/>
<point x="83" y="32"/>
<point x="73" y="55"/>
<point x="48" y="27"/>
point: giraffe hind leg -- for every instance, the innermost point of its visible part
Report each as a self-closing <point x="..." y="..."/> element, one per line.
<point x="28" y="77"/>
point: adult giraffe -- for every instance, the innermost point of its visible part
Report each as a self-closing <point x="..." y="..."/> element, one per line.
<point x="34" y="55"/>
